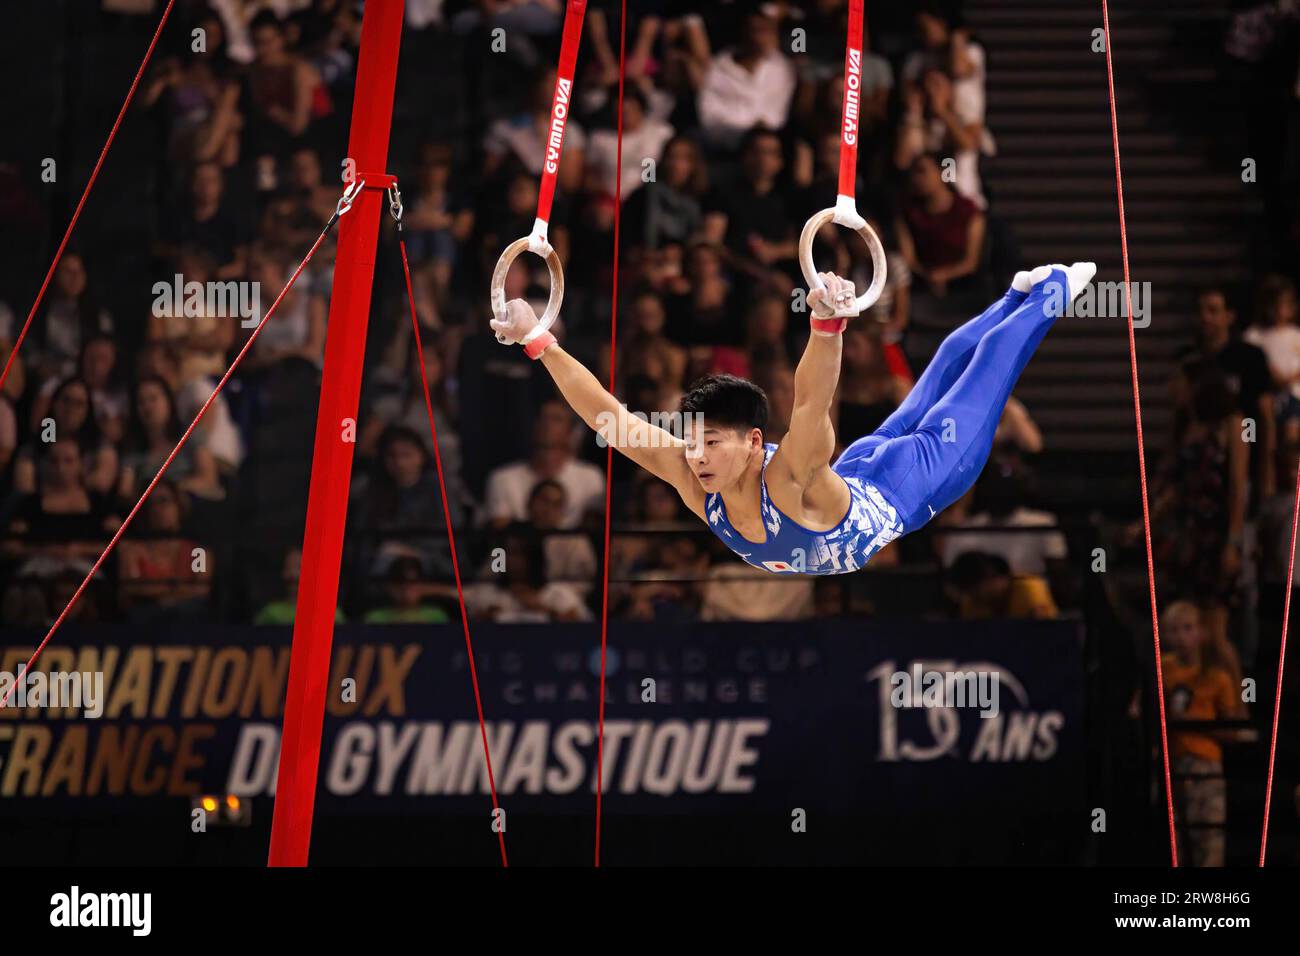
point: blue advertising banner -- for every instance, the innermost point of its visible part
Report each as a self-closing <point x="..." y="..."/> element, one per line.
<point x="719" y="718"/>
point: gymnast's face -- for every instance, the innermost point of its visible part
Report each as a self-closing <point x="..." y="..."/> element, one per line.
<point x="718" y="455"/>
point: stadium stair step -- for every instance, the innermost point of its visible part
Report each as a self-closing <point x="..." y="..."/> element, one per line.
<point x="1189" y="215"/>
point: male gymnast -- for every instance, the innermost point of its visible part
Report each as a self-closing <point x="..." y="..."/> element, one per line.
<point x="786" y="508"/>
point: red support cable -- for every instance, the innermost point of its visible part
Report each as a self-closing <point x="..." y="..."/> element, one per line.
<point x="176" y="450"/>
<point x="451" y="540"/>
<point x="85" y="194"/>
<point x="849" y="117"/>
<point x="1281" y="669"/>
<point x="609" y="449"/>
<point x="1141" y="446"/>
<point x="331" y="471"/>
<point x="561" y="98"/>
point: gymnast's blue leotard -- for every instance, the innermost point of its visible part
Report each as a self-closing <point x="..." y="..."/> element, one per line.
<point x="925" y="456"/>
<point x="870" y="523"/>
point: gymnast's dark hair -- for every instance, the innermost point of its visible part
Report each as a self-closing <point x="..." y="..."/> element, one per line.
<point x="728" y="401"/>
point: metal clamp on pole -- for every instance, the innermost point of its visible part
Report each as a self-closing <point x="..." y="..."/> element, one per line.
<point x="350" y="194"/>
<point x="395" y="203"/>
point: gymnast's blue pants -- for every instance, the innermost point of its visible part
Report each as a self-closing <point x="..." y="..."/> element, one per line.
<point x="929" y="452"/>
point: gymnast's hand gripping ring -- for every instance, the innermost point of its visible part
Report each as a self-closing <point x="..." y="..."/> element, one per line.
<point x="537" y="244"/>
<point x="846" y="215"/>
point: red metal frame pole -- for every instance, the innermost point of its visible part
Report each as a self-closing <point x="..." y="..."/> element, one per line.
<point x="331" y="468"/>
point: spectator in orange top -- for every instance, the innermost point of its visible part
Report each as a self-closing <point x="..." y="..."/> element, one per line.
<point x="1202" y="681"/>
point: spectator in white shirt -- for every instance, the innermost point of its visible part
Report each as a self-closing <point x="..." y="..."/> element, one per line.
<point x="946" y="117"/>
<point x="1276" y="333"/>
<point x="944" y="47"/>
<point x="1002" y="491"/>
<point x="742" y="593"/>
<point x="424" y="13"/>
<point x="644" y="137"/>
<point x="518" y="594"/>
<point x="936" y="121"/>
<point x="568" y="558"/>
<point x="749" y="86"/>
<point x="525" y="136"/>
<point x="554" y="440"/>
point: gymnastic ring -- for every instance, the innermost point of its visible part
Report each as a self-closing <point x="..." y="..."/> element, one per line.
<point x="859" y="225"/>
<point x="511" y="253"/>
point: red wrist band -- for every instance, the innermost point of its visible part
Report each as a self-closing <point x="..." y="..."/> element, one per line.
<point x="537" y="346"/>
<point x="829" y="326"/>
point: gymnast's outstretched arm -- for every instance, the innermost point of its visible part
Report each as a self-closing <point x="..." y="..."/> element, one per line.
<point x="805" y="452"/>
<point x="653" y="448"/>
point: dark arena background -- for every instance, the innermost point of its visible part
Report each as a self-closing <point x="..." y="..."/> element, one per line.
<point x="749" y="718"/>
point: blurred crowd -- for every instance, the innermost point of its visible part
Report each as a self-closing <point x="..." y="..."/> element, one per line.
<point x="730" y="121"/>
<point x="730" y="141"/>
<point x="1223" y="497"/>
